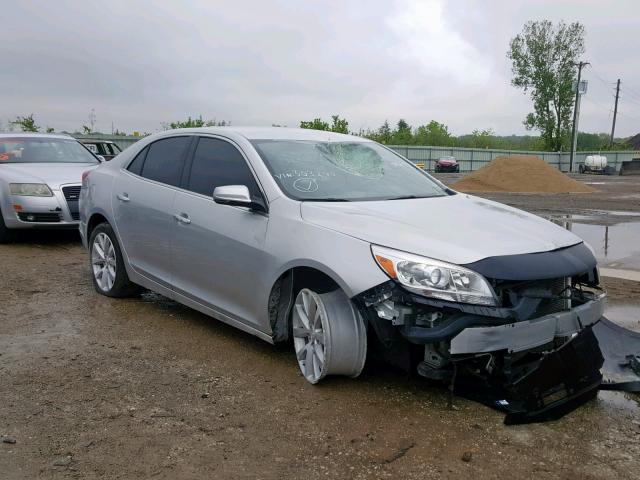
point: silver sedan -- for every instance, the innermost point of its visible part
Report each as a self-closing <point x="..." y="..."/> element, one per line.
<point x="40" y="177"/>
<point x="337" y="244"/>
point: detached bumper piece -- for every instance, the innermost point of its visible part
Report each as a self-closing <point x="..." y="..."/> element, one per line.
<point x="545" y="389"/>
<point x="621" y="350"/>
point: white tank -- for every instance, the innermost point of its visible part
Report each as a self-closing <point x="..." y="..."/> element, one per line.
<point x="595" y="162"/>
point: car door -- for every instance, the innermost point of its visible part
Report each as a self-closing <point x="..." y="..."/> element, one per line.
<point x="218" y="249"/>
<point x="143" y="196"/>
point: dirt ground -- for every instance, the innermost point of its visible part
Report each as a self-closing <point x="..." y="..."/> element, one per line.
<point x="92" y="387"/>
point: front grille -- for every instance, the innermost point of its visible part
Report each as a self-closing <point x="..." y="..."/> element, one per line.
<point x="557" y="287"/>
<point x="39" y="217"/>
<point x="540" y="297"/>
<point x="72" y="195"/>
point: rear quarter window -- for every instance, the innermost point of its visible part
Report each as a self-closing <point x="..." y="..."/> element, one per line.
<point x="165" y="160"/>
<point x="136" y="165"/>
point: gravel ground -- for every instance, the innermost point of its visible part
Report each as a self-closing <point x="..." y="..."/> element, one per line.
<point x="92" y="387"/>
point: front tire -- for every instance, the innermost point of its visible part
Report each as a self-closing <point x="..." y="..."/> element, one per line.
<point x="329" y="335"/>
<point x="107" y="266"/>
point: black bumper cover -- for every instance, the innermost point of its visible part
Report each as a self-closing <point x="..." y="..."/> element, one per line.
<point x="561" y="381"/>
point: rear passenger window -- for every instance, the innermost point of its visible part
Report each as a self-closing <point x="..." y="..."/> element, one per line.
<point x="165" y="159"/>
<point x="136" y="165"/>
<point x="217" y="163"/>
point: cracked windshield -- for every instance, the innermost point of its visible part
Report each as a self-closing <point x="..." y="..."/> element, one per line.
<point x="343" y="171"/>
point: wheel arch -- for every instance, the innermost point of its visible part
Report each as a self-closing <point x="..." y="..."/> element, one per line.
<point x="94" y="220"/>
<point x="286" y="286"/>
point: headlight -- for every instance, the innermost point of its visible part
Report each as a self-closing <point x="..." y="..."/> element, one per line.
<point x="30" y="189"/>
<point x="433" y="278"/>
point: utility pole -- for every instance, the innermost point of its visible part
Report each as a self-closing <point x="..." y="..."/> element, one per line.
<point x="92" y="119"/>
<point x="574" y="130"/>
<point x="615" y="113"/>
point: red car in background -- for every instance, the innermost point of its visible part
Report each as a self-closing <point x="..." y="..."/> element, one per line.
<point x="447" y="164"/>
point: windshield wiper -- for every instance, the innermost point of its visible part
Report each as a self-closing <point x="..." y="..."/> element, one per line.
<point x="328" y="199"/>
<point x="409" y="197"/>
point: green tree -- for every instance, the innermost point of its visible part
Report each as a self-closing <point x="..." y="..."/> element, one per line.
<point x="402" y="135"/>
<point x="434" y="133"/>
<point x="543" y="58"/>
<point x="194" y="123"/>
<point x="384" y="133"/>
<point x="315" y="124"/>
<point x="26" y="124"/>
<point x="339" y="125"/>
<point x="481" y="139"/>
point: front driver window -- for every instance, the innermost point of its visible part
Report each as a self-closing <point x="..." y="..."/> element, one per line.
<point x="217" y="163"/>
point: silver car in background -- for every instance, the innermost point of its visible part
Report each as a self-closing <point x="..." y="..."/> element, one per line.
<point x="342" y="246"/>
<point x="40" y="177"/>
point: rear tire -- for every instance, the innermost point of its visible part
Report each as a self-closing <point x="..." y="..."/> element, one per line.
<point x="108" y="272"/>
<point x="329" y="335"/>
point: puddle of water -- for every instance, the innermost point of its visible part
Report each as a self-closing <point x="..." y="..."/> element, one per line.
<point x="626" y="315"/>
<point x="620" y="213"/>
<point x="611" y="243"/>
<point x="619" y="401"/>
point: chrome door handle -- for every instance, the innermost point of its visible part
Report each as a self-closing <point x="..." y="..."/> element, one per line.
<point x="183" y="218"/>
<point x="123" y="197"/>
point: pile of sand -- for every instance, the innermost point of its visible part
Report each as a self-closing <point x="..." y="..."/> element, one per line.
<point x="520" y="174"/>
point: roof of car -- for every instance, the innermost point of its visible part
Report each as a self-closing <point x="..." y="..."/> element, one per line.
<point x="278" y="133"/>
<point x="93" y="140"/>
<point x="34" y="135"/>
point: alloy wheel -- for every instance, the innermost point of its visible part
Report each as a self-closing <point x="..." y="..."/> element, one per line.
<point x="103" y="262"/>
<point x="309" y="335"/>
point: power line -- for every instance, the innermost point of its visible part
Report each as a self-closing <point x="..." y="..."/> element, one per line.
<point x="632" y="100"/>
<point x="598" y="104"/>
<point x="631" y="95"/>
<point x="628" y="116"/>
<point x="605" y="82"/>
<point x="632" y="91"/>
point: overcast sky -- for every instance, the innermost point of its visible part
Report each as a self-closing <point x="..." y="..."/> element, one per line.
<point x="140" y="63"/>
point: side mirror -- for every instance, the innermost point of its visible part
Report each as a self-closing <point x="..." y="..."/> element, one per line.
<point x="236" y="196"/>
<point x="101" y="158"/>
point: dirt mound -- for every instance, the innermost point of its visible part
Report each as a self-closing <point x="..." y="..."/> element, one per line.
<point x="520" y="174"/>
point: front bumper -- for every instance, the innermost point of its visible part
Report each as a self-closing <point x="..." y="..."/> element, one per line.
<point x="54" y="209"/>
<point x="528" y="334"/>
<point x="447" y="168"/>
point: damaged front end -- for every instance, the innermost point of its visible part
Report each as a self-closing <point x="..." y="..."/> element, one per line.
<point x="527" y="347"/>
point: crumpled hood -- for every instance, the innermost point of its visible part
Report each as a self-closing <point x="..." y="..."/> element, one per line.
<point x="53" y="174"/>
<point x="458" y="229"/>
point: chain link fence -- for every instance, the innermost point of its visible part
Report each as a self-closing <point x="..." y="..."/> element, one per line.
<point x="470" y="159"/>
